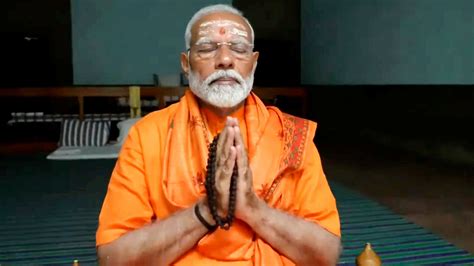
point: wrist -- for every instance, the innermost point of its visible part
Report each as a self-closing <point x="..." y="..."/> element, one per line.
<point x="203" y="214"/>
<point x="253" y="210"/>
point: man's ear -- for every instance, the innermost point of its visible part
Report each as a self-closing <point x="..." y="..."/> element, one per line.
<point x="255" y="56"/>
<point x="185" y="62"/>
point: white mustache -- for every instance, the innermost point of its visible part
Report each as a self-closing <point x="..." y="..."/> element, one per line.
<point x="230" y="73"/>
<point x="223" y="95"/>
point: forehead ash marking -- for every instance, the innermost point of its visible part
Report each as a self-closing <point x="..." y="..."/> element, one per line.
<point x="238" y="32"/>
<point x="222" y="27"/>
<point x="209" y="30"/>
<point x="222" y="23"/>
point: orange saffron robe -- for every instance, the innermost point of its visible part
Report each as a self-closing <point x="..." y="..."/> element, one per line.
<point x="162" y="165"/>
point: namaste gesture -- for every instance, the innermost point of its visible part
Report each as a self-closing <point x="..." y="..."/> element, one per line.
<point x="233" y="176"/>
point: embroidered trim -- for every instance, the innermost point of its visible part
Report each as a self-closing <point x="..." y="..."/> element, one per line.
<point x="294" y="139"/>
<point x="272" y="188"/>
<point x="294" y="133"/>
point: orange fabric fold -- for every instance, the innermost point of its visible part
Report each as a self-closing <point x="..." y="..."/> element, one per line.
<point x="170" y="161"/>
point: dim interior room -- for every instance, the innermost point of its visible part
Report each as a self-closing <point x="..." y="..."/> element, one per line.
<point x="389" y="83"/>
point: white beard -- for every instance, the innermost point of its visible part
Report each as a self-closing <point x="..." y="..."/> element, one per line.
<point x="222" y="96"/>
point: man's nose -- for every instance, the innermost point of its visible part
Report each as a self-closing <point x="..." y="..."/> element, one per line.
<point x="224" y="58"/>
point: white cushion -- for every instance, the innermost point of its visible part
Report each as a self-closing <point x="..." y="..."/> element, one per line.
<point x="124" y="126"/>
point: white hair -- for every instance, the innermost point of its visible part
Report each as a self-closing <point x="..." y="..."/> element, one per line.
<point x="210" y="10"/>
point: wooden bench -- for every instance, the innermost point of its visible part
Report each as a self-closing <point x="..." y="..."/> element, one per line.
<point x="160" y="93"/>
<point x="81" y="94"/>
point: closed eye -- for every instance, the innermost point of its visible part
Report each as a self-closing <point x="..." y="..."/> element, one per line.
<point x="206" y="48"/>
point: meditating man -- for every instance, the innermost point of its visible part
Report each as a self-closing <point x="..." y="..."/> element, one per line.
<point x="254" y="195"/>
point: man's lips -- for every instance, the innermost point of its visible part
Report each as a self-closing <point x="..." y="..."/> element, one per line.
<point x="225" y="80"/>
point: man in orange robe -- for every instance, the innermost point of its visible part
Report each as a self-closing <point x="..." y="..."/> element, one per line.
<point x="156" y="209"/>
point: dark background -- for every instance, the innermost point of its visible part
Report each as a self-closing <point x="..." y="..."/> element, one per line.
<point x="408" y="146"/>
<point x="35" y="43"/>
<point x="432" y="120"/>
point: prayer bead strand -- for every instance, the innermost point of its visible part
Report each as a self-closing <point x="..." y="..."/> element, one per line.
<point x="210" y="185"/>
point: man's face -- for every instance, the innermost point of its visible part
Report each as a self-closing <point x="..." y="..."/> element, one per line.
<point x="221" y="61"/>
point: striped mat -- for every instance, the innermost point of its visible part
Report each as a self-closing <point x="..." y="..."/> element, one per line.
<point x="50" y="231"/>
<point x="396" y="240"/>
<point x="57" y="227"/>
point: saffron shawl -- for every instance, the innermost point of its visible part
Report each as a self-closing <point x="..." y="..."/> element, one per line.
<point x="285" y="164"/>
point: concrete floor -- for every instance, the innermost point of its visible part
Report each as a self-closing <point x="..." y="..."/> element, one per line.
<point x="433" y="194"/>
